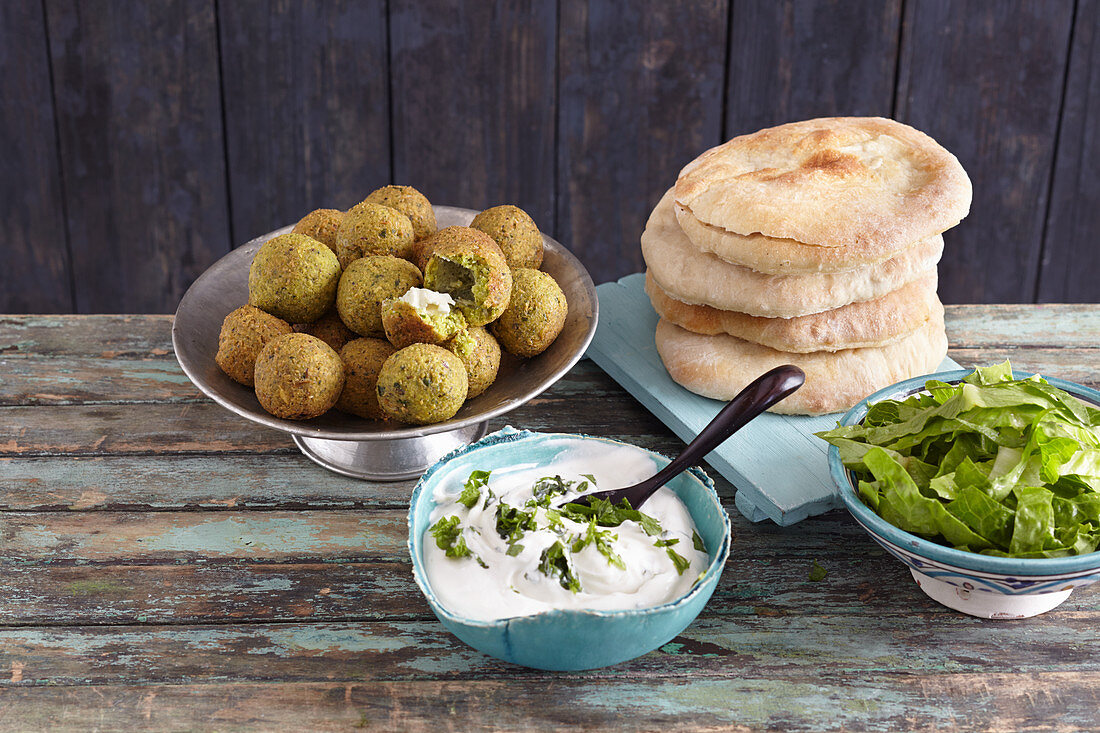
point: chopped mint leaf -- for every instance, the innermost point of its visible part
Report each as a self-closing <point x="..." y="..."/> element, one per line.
<point x="666" y="543"/>
<point x="471" y="491"/>
<point x="481" y="562"/>
<point x="555" y="562"/>
<point x="681" y="562"/>
<point x="590" y="477"/>
<point x="469" y="496"/>
<point x="611" y="516"/>
<point x="817" y="573"/>
<point x="697" y="541"/>
<point x="547" y="487"/>
<point x="448" y="537"/>
<point x="602" y="539"/>
<point x="514" y="549"/>
<point x="512" y="522"/>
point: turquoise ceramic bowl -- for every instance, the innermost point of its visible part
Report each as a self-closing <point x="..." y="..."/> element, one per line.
<point x="980" y="585"/>
<point x="570" y="639"/>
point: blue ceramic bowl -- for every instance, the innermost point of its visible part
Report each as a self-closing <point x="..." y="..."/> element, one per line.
<point x="980" y="585"/>
<point x="569" y="639"/>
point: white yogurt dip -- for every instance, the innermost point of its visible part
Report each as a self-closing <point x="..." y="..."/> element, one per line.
<point x="428" y="301"/>
<point x="552" y="557"/>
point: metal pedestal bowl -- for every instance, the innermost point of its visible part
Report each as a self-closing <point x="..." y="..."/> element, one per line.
<point x="369" y="449"/>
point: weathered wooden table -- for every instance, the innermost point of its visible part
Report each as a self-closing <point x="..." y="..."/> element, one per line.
<point x="167" y="564"/>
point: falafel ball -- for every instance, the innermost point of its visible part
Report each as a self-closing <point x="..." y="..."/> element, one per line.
<point x="294" y="277"/>
<point x="515" y="233"/>
<point x="409" y="202"/>
<point x="480" y="353"/>
<point x="366" y="283"/>
<point x="373" y="229"/>
<point x="329" y="328"/>
<point x="422" y="384"/>
<point x="421" y="317"/>
<point x="244" y="334"/>
<point x="321" y="224"/>
<point x="472" y="270"/>
<point x="535" y="314"/>
<point x="363" y="359"/>
<point x="298" y="376"/>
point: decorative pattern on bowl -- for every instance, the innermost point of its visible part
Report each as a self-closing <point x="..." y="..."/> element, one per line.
<point x="981" y="585"/>
<point x="564" y="640"/>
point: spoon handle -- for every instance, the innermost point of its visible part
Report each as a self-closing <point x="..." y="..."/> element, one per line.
<point x="762" y="393"/>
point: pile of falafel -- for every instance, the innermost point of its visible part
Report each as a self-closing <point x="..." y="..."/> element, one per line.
<point x="378" y="313"/>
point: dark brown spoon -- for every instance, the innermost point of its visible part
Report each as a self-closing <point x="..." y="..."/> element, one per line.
<point x="765" y="391"/>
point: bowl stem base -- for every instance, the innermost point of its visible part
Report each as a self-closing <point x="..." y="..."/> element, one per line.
<point x="386" y="460"/>
<point x="987" y="604"/>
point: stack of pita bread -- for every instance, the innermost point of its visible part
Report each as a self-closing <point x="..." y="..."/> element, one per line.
<point x="813" y="243"/>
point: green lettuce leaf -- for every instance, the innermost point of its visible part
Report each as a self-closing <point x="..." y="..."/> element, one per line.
<point x="994" y="464"/>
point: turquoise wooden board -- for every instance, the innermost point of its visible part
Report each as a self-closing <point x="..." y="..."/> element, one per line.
<point x="777" y="465"/>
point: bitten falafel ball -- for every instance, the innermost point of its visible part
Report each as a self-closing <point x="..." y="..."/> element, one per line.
<point x="363" y="359"/>
<point x="515" y="233"/>
<point x="298" y="377"/>
<point x="535" y="314"/>
<point x="366" y="283"/>
<point x="422" y="384"/>
<point x="480" y="353"/>
<point x="424" y="248"/>
<point x="244" y="334"/>
<point x="409" y="202"/>
<point x="421" y="317"/>
<point x="321" y="224"/>
<point x="373" y="229"/>
<point x="473" y="271"/>
<point x="294" y="277"/>
<point x="329" y="328"/>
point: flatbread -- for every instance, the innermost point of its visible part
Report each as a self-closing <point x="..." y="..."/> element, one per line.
<point x="869" y="323"/>
<point x="699" y="278"/>
<point x="721" y="366"/>
<point x="780" y="256"/>
<point x="867" y="182"/>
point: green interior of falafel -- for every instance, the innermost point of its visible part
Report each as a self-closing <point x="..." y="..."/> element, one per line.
<point x="445" y="324"/>
<point x="464" y="277"/>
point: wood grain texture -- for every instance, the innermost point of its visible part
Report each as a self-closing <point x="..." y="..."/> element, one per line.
<point x="35" y="276"/>
<point x="641" y="95"/>
<point x="1050" y="325"/>
<point x="66" y="538"/>
<point x="181" y="482"/>
<point x="98" y="336"/>
<point x="944" y="701"/>
<point x="795" y="60"/>
<point x="985" y="80"/>
<point x="1070" y="257"/>
<point x="155" y="428"/>
<point x="474" y="102"/>
<point x="60" y="381"/>
<point x="795" y="649"/>
<point x="306" y="108"/>
<point x="141" y="148"/>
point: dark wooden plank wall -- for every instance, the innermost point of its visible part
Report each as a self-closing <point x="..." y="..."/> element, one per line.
<point x="139" y="142"/>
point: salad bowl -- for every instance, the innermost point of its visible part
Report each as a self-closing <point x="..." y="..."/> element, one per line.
<point x="983" y="585"/>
